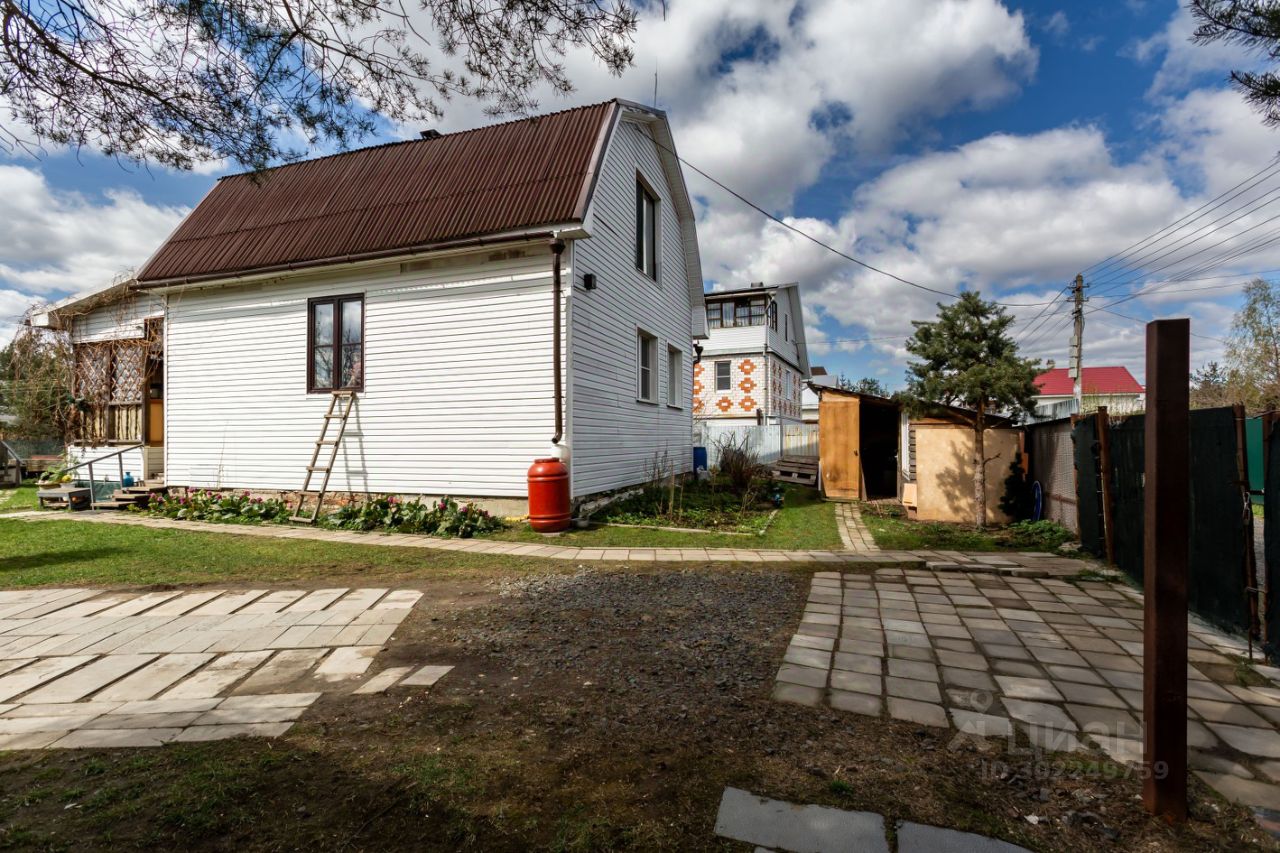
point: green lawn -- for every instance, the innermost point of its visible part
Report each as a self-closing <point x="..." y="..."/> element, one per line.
<point x="18" y="499"/>
<point x="805" y="522"/>
<point x="893" y="531"/>
<point x="79" y="552"/>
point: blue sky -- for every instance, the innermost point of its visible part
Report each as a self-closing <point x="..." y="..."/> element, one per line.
<point x="968" y="143"/>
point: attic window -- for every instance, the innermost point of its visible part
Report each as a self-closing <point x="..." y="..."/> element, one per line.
<point x="646" y="230"/>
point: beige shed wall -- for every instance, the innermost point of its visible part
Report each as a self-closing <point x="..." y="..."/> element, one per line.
<point x="944" y="471"/>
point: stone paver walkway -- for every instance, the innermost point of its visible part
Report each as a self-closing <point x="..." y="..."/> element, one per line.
<point x="86" y="668"/>
<point x="1025" y="563"/>
<point x="1060" y="662"/>
<point x="778" y="825"/>
<point x="853" y="533"/>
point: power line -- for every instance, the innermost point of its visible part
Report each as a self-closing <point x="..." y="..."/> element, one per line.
<point x="1271" y="164"/>
<point x="778" y="220"/>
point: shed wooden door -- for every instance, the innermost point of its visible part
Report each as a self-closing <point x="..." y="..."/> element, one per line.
<point x="839" y="426"/>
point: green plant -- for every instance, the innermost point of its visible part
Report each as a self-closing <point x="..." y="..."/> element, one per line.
<point x="217" y="506"/>
<point x="445" y="517"/>
<point x="1016" y="502"/>
<point x="1043" y="535"/>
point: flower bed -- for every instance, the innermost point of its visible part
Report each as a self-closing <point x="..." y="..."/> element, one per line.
<point x="445" y="517"/>
<point x="708" y="506"/>
<point x="223" y="507"/>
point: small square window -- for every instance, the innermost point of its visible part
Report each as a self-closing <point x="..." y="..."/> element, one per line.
<point x="675" y="377"/>
<point x="646" y="375"/>
<point x="722" y="376"/>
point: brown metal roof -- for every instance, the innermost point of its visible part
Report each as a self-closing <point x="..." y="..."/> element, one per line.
<point x="401" y="196"/>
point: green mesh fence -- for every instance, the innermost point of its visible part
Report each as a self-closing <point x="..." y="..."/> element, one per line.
<point x="1217" y="584"/>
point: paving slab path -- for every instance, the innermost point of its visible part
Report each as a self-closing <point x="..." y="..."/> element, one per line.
<point x="145" y="669"/>
<point x="859" y="548"/>
<point x="990" y="655"/>
<point x="777" y="825"/>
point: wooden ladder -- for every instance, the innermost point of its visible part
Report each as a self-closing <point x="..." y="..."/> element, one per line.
<point x="337" y="412"/>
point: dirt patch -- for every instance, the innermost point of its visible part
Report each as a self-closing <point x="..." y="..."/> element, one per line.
<point x="595" y="710"/>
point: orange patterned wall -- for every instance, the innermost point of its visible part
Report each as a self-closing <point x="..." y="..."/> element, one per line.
<point x="746" y="391"/>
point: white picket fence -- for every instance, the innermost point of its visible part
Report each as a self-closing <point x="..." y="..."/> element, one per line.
<point x="769" y="441"/>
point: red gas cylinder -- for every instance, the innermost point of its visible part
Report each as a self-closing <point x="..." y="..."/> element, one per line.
<point x="549" y="510"/>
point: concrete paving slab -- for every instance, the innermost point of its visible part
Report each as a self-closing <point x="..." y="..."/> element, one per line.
<point x="918" y="838"/>
<point x="779" y="825"/>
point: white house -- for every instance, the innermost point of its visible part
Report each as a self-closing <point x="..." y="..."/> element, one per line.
<point x="1113" y="387"/>
<point x="754" y="362"/>
<point x="423" y="276"/>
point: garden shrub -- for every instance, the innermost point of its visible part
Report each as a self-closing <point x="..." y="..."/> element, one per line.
<point x="206" y="505"/>
<point x="445" y="517"/>
<point x="1043" y="535"/>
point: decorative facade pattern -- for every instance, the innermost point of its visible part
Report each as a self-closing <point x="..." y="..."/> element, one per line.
<point x="746" y="392"/>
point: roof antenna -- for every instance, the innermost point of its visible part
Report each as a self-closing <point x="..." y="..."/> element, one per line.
<point x="655" y="89"/>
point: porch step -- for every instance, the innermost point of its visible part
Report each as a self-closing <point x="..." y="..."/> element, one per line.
<point x="114" y="504"/>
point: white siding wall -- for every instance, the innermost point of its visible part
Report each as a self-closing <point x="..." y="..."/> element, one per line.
<point x="735" y="339"/>
<point x="121" y="320"/>
<point x="779" y="342"/>
<point x="457" y="395"/>
<point x="614" y="437"/>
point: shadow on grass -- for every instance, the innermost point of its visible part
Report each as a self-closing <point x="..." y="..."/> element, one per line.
<point x="49" y="559"/>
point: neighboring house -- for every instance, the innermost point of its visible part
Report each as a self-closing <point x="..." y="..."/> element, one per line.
<point x="819" y="378"/>
<point x="1113" y="387"/>
<point x="754" y="362"/>
<point x="422" y="276"/>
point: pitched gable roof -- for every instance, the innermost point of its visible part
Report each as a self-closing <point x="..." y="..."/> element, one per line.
<point x="1096" y="380"/>
<point x="400" y="196"/>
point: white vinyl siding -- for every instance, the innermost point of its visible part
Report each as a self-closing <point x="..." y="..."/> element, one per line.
<point x="457" y="388"/>
<point x="616" y="438"/>
<point x="123" y="320"/>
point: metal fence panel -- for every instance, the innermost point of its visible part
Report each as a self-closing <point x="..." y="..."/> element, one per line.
<point x="1217" y="583"/>
<point x="1271" y="541"/>
<point x="1089" y="487"/>
<point x="1053" y="467"/>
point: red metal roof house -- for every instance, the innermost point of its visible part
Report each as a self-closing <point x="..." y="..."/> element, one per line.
<point x="1113" y="387"/>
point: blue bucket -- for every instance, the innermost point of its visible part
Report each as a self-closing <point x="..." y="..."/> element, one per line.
<point x="699" y="458"/>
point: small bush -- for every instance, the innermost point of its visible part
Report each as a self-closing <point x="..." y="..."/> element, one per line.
<point x="226" y="507"/>
<point x="1043" y="535"/>
<point x="739" y="464"/>
<point x="445" y="517"/>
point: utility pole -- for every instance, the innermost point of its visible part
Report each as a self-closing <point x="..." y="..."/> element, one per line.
<point x="1076" y="361"/>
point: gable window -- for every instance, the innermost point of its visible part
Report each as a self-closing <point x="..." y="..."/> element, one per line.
<point x="646" y="376"/>
<point x="335" y="335"/>
<point x="773" y="316"/>
<point x="786" y="327"/>
<point x="722" y="376"/>
<point x="646" y="230"/>
<point x="675" y="376"/>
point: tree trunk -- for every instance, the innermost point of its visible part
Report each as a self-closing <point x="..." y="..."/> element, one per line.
<point x="979" y="470"/>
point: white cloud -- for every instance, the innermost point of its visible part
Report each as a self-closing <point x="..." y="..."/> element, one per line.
<point x="58" y="242"/>
<point x="1058" y="25"/>
<point x="1182" y="62"/>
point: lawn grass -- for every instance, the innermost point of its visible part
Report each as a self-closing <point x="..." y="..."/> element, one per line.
<point x="18" y="499"/>
<point x="78" y="552"/>
<point x="893" y="531"/>
<point x="805" y="522"/>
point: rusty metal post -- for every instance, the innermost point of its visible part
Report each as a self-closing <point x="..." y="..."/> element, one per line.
<point x="1108" y="488"/>
<point x="1165" y="546"/>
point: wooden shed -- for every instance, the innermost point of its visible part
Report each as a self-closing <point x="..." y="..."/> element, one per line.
<point x="942" y="451"/>
<point x="857" y="445"/>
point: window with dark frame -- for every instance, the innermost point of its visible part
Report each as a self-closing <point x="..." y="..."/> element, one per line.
<point x="646" y="375"/>
<point x="646" y="230"/>
<point x="773" y="316"/>
<point x="723" y="377"/>
<point x="336" y="338"/>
